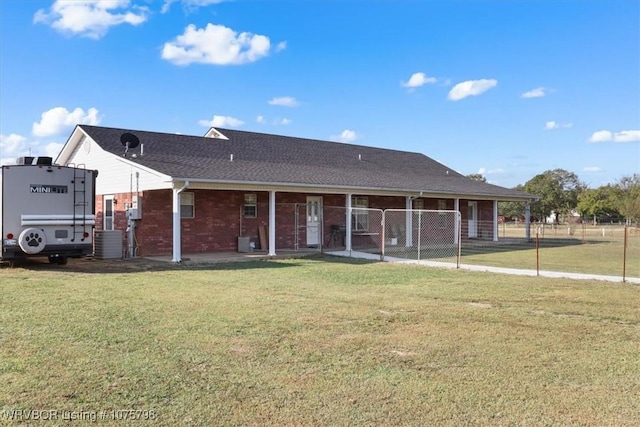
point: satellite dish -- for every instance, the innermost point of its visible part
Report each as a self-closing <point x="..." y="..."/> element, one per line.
<point x="129" y="140"/>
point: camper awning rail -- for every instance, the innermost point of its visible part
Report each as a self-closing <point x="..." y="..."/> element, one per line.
<point x="68" y="219"/>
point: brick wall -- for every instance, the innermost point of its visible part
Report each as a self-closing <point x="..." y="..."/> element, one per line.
<point x="218" y="219"/>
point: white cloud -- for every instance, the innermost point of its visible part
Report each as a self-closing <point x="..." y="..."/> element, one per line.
<point x="622" y="136"/>
<point x="11" y="146"/>
<point x="281" y="46"/>
<point x="90" y="18"/>
<point x="14" y="146"/>
<point x="260" y="119"/>
<point x="538" y="92"/>
<point x="52" y="149"/>
<point x="626" y="136"/>
<point x="222" y="121"/>
<point x="346" y="136"/>
<point x="550" y="125"/>
<point x="284" y="101"/>
<point x="215" y="44"/>
<point x="59" y="120"/>
<point x="485" y="172"/>
<point x="592" y="169"/>
<point x="189" y="5"/>
<point x="283" y="122"/>
<point x="417" y="80"/>
<point x="471" y="88"/>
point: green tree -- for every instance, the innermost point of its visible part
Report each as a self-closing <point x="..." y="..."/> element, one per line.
<point x="512" y="210"/>
<point x="558" y="190"/>
<point x="627" y="197"/>
<point x="598" y="202"/>
<point x="477" y="177"/>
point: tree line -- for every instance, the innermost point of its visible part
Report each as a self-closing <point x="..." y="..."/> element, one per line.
<point x="561" y="194"/>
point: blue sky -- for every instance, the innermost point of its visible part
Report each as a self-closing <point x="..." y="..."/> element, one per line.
<point x="508" y="89"/>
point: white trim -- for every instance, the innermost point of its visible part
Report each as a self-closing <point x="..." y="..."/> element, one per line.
<point x="272" y="223"/>
<point x="408" y="221"/>
<point x="456" y="207"/>
<point x="106" y="197"/>
<point x="63" y="219"/>
<point x="215" y="134"/>
<point x="177" y="236"/>
<point x="215" y="184"/>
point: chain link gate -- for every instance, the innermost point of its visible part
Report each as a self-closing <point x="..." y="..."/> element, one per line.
<point x="432" y="235"/>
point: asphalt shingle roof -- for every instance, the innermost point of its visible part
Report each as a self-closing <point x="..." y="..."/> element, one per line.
<point x="275" y="159"/>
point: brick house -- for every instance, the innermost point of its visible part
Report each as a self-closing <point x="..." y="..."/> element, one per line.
<point x="197" y="194"/>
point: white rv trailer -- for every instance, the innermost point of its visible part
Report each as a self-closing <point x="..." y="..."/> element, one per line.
<point x="46" y="210"/>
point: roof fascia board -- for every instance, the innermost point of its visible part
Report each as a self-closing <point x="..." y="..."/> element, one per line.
<point x="70" y="146"/>
<point x="289" y="187"/>
<point x="160" y="175"/>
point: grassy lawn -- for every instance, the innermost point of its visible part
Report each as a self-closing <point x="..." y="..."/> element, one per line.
<point x="596" y="255"/>
<point x="318" y="341"/>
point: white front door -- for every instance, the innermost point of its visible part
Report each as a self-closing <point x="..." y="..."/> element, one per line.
<point x="473" y="220"/>
<point x="314" y="217"/>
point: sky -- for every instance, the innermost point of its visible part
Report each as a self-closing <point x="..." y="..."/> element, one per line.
<point x="508" y="89"/>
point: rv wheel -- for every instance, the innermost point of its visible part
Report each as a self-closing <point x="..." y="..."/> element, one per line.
<point x="62" y="260"/>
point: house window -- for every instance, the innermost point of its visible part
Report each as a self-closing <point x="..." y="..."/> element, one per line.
<point x="108" y="213"/>
<point x="418" y="204"/>
<point x="250" y="209"/>
<point x="187" y="205"/>
<point x="360" y="216"/>
<point x="442" y="221"/>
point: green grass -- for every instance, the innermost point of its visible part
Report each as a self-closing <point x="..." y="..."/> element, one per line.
<point x="602" y="256"/>
<point x="319" y="341"/>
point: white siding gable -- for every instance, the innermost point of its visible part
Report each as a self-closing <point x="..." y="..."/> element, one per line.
<point x="116" y="174"/>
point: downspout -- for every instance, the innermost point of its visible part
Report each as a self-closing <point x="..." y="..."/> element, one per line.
<point x="177" y="238"/>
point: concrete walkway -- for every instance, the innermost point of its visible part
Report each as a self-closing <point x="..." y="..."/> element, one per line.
<point x="501" y="270"/>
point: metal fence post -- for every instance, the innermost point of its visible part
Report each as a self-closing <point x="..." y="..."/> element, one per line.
<point x="624" y="256"/>
<point x="459" y="222"/>
<point x="537" y="253"/>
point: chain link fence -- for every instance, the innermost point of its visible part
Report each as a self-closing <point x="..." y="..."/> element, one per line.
<point x="432" y="235"/>
<point x="443" y="236"/>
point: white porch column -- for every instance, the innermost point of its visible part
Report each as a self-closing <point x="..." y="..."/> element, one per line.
<point x="456" y="207"/>
<point x="272" y="223"/>
<point x="495" y="220"/>
<point x="409" y="222"/>
<point x="177" y="234"/>
<point x="527" y="220"/>
<point x="347" y="235"/>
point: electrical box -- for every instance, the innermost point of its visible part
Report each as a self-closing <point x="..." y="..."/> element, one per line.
<point x="135" y="210"/>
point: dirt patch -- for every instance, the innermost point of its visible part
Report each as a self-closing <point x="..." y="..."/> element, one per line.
<point x="95" y="265"/>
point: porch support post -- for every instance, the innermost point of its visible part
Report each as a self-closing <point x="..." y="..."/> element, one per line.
<point x="409" y="222"/>
<point x="527" y="220"/>
<point x="272" y="223"/>
<point x="456" y="207"/>
<point x="177" y="235"/>
<point x="347" y="236"/>
<point x="495" y="220"/>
